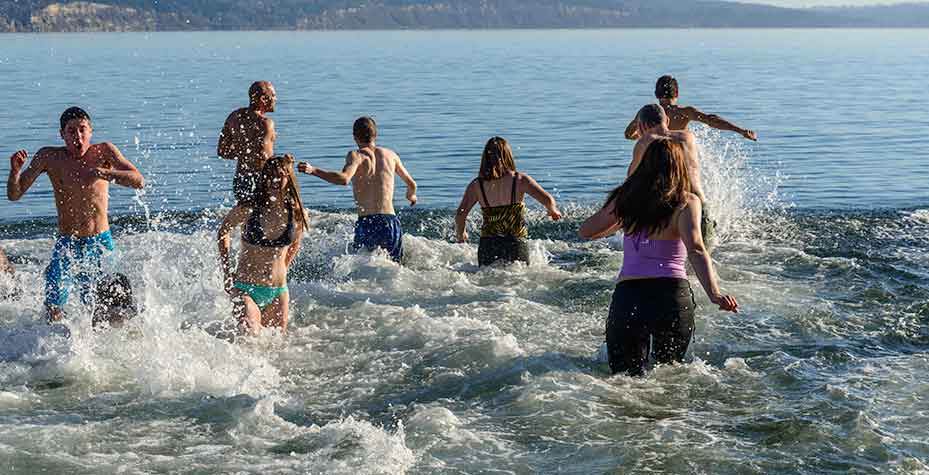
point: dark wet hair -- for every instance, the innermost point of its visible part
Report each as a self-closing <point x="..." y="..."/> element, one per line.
<point x="497" y="159"/>
<point x="114" y="294"/>
<point x="72" y="113"/>
<point x="364" y="129"/>
<point x="651" y="115"/>
<point x="646" y="200"/>
<point x="666" y="87"/>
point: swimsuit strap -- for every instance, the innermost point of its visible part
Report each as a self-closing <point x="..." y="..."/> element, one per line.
<point x="513" y="191"/>
<point x="481" y="184"/>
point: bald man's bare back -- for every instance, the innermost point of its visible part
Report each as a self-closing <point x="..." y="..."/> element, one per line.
<point x="247" y="137"/>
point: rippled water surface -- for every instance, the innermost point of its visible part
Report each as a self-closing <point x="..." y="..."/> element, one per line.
<point x="438" y="366"/>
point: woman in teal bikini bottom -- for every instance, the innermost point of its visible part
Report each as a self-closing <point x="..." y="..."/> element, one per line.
<point x="274" y="223"/>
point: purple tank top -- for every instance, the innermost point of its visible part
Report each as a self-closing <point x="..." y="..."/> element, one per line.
<point x="644" y="257"/>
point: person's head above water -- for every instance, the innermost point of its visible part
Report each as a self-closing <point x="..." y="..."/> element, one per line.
<point x="76" y="130"/>
<point x="115" y="303"/>
<point x="278" y="181"/>
<point x="646" y="200"/>
<point x="262" y="96"/>
<point x="651" y="116"/>
<point x="497" y="159"/>
<point x="666" y="88"/>
<point x="364" y="130"/>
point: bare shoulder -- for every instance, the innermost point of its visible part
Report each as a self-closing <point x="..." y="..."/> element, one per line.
<point x="105" y="151"/>
<point x="356" y="155"/>
<point x="473" y="186"/>
<point x="50" y="153"/>
<point x="683" y="136"/>
<point x="692" y="202"/>
<point x="234" y="116"/>
<point x="107" y="147"/>
<point x="386" y="152"/>
<point x="642" y="144"/>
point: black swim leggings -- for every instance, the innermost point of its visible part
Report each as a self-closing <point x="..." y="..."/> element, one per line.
<point x="502" y="248"/>
<point x="660" y="310"/>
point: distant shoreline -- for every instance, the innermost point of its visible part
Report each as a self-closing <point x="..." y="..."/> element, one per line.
<point x="396" y="30"/>
<point x="65" y="16"/>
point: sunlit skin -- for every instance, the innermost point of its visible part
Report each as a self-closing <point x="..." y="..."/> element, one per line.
<point x="258" y="265"/>
<point x="371" y="171"/>
<point x="248" y="134"/>
<point x="80" y="173"/>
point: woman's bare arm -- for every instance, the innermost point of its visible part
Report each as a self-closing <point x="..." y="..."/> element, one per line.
<point x="688" y="225"/>
<point x="468" y="200"/>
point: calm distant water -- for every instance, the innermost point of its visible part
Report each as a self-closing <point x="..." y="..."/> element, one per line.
<point x="437" y="366"/>
<point x="840" y="114"/>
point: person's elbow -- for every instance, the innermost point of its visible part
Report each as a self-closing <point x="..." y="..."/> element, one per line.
<point x="343" y="180"/>
<point x="587" y="232"/>
<point x="697" y="250"/>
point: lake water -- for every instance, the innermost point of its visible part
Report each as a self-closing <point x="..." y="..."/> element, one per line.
<point x="437" y="366"/>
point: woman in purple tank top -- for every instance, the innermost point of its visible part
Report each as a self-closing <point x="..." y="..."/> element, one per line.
<point x="660" y="220"/>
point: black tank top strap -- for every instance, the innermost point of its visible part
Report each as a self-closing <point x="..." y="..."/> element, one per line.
<point x="513" y="191"/>
<point x="481" y="184"/>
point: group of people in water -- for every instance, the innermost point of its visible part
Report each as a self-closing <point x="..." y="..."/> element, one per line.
<point x="660" y="209"/>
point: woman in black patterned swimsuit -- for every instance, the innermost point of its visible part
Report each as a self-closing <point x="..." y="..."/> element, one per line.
<point x="499" y="188"/>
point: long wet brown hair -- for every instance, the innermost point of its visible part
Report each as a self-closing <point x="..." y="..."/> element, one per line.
<point x="646" y="200"/>
<point x="274" y="164"/>
<point x="497" y="159"/>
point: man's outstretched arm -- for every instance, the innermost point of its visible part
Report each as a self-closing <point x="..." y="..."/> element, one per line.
<point x="716" y="122"/>
<point x="336" y="178"/>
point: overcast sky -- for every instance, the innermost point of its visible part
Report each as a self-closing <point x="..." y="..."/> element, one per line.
<point x="818" y="3"/>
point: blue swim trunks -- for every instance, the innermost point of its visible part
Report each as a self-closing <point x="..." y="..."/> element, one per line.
<point x="380" y="230"/>
<point x="81" y="259"/>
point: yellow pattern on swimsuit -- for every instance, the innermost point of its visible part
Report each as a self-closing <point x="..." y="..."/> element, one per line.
<point x="504" y="220"/>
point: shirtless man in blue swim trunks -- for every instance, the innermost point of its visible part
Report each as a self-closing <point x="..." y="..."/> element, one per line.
<point x="371" y="171"/>
<point x="80" y="173"/>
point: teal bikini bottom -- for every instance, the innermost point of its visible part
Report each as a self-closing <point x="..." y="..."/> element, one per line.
<point x="261" y="294"/>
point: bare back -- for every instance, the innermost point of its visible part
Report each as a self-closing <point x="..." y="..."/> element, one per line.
<point x="373" y="182"/>
<point x="677" y="116"/>
<point x="81" y="198"/>
<point x="691" y="155"/>
<point x="248" y="138"/>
